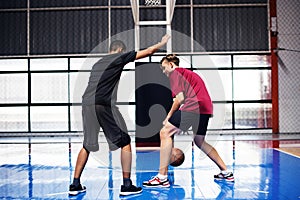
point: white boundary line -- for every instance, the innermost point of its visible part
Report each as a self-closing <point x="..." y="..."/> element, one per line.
<point x="286" y="152"/>
<point x="140" y="149"/>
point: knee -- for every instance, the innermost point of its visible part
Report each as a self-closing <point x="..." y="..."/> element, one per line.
<point x="164" y="133"/>
<point x="89" y="149"/>
<point x="126" y="148"/>
<point x="123" y="142"/>
<point x="199" y="141"/>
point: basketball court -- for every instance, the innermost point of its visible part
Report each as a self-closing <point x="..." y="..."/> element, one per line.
<point x="43" y="168"/>
<point x="246" y="52"/>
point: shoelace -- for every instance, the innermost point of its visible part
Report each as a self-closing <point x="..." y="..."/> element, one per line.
<point x="153" y="177"/>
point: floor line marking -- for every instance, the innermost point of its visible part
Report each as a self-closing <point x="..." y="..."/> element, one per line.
<point x="286" y="152"/>
<point x="58" y="193"/>
<point x="247" y="190"/>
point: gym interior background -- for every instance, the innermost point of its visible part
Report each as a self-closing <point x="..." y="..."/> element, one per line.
<point x="43" y="45"/>
<point x="253" y="45"/>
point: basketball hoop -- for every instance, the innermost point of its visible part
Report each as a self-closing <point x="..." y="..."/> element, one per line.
<point x="168" y="5"/>
<point x="152" y="2"/>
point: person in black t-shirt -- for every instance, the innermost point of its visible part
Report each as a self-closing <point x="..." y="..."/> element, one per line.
<point x="99" y="110"/>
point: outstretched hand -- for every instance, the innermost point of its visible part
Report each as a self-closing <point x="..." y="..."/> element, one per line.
<point x="165" y="38"/>
<point x="152" y="49"/>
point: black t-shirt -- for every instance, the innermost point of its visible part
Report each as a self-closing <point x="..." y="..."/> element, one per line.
<point x="104" y="78"/>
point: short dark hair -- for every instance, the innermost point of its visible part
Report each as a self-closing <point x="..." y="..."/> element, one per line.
<point x="171" y="58"/>
<point x="117" y="44"/>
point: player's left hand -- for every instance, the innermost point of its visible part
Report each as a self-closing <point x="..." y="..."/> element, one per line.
<point x="165" y="38"/>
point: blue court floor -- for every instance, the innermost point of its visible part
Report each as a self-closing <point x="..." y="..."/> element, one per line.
<point x="43" y="169"/>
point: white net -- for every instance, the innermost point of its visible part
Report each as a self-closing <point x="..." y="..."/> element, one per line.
<point x="152" y="2"/>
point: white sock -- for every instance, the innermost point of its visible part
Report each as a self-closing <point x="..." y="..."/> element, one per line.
<point x="162" y="177"/>
<point x="224" y="172"/>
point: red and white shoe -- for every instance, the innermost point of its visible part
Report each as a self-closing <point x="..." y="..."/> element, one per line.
<point x="156" y="182"/>
<point x="227" y="177"/>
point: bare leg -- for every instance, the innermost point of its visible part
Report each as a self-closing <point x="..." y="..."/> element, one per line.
<point x="166" y="144"/>
<point x="82" y="158"/>
<point x="126" y="160"/>
<point x="210" y="151"/>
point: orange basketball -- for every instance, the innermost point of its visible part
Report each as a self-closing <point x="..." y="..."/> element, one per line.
<point x="177" y="157"/>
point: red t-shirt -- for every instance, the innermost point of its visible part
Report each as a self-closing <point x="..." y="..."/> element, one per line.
<point x="196" y="97"/>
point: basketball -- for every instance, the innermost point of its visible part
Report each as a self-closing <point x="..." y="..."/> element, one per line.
<point x="177" y="157"/>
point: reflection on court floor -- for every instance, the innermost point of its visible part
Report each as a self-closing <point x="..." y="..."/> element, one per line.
<point x="41" y="170"/>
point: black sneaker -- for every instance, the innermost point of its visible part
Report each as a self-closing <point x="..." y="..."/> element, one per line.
<point x="227" y="177"/>
<point x="130" y="190"/>
<point x="76" y="190"/>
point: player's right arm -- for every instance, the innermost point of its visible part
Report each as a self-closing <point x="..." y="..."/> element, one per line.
<point x="175" y="106"/>
<point x="152" y="49"/>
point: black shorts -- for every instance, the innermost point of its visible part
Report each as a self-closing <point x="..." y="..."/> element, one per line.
<point x="112" y="123"/>
<point x="185" y="120"/>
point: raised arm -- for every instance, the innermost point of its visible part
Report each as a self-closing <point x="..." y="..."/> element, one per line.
<point x="151" y="50"/>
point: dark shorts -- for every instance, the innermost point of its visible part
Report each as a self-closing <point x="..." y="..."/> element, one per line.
<point x="185" y="120"/>
<point x="110" y="120"/>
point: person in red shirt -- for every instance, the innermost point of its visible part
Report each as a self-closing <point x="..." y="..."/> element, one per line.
<point x="192" y="107"/>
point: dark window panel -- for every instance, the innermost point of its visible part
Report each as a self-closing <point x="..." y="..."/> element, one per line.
<point x="122" y="26"/>
<point x="68" y="32"/>
<point x="183" y="2"/>
<point x="121" y="20"/>
<point x="198" y="2"/>
<point x="231" y="29"/>
<point x="181" y="24"/>
<point x="120" y="3"/>
<point x="152" y="14"/>
<point x="150" y="35"/>
<point x="7" y="4"/>
<point x="66" y="3"/>
<point x="13" y="40"/>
